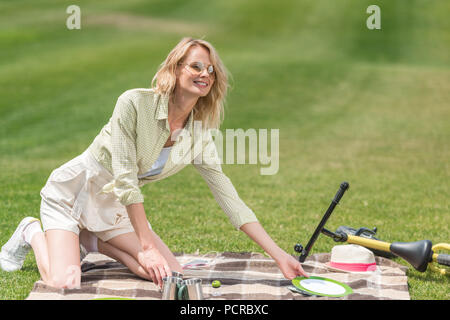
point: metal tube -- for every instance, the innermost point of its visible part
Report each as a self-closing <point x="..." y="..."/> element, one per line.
<point x="369" y="243"/>
<point x="343" y="187"/>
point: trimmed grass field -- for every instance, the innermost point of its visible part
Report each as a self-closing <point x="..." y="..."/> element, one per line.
<point x="371" y="107"/>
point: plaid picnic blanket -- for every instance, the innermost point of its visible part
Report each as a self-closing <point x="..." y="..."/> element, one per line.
<point x="244" y="276"/>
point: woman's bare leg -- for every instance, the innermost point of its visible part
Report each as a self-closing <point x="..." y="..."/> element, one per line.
<point x="57" y="255"/>
<point x="40" y="250"/>
<point x="124" y="258"/>
<point x="129" y="244"/>
<point x="63" y="259"/>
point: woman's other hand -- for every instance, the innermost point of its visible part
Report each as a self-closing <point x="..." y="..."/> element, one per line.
<point x="155" y="264"/>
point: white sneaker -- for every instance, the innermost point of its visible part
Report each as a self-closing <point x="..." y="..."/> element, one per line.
<point x="14" y="252"/>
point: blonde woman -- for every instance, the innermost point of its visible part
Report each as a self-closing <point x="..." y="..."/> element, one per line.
<point x="94" y="201"/>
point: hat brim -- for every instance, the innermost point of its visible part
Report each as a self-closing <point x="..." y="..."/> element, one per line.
<point x="368" y="271"/>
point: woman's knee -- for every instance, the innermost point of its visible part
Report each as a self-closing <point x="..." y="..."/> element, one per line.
<point x="66" y="279"/>
<point x="64" y="259"/>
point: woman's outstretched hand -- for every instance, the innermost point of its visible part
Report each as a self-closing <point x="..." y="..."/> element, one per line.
<point x="290" y="267"/>
<point x="155" y="264"/>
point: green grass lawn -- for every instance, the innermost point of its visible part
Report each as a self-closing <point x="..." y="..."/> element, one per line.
<point x="370" y="107"/>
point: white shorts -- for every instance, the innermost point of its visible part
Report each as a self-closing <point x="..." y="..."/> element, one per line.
<point x="71" y="200"/>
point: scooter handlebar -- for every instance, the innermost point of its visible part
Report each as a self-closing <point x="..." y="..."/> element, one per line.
<point x="344" y="186"/>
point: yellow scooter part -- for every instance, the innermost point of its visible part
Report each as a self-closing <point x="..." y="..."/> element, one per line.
<point x="439" y="246"/>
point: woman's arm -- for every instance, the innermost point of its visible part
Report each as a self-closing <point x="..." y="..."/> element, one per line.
<point x="136" y="212"/>
<point x="241" y="216"/>
<point x="289" y="266"/>
<point x="150" y="258"/>
<point x="123" y="152"/>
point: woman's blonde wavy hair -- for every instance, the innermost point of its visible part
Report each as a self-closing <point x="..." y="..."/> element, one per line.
<point x="210" y="108"/>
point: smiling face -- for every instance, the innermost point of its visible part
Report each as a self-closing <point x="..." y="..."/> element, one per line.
<point x="189" y="79"/>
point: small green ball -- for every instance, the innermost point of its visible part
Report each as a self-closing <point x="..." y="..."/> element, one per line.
<point x="216" y="284"/>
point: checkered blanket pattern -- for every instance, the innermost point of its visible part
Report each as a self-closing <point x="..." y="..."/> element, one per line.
<point x="244" y="276"/>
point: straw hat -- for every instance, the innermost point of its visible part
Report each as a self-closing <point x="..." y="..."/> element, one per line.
<point x="352" y="258"/>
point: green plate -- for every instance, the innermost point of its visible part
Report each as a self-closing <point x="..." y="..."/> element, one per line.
<point x="319" y="286"/>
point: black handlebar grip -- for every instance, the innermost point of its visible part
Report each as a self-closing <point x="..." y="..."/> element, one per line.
<point x="443" y="259"/>
<point x="344" y="186"/>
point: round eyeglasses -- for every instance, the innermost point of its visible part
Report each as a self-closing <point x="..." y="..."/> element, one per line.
<point x="196" y="68"/>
